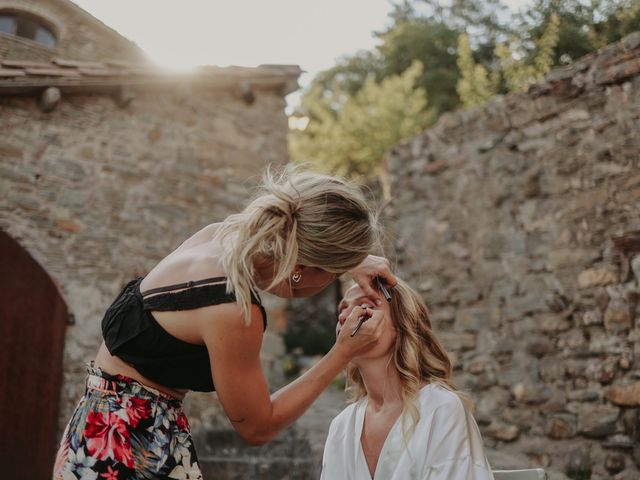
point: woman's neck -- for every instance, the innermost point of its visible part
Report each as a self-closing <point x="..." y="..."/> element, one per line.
<point x="263" y="272"/>
<point x="381" y="381"/>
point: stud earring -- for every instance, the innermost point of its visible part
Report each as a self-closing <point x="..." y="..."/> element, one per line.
<point x="296" y="277"/>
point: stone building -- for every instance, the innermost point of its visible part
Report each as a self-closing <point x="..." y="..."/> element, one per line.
<point x="43" y="30"/>
<point x="106" y="164"/>
<point x="519" y="221"/>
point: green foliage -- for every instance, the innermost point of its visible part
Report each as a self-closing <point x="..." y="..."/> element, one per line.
<point x="349" y="74"/>
<point x="484" y="19"/>
<point x="350" y="134"/>
<point x="290" y="367"/>
<point x="585" y="25"/>
<point x="311" y="340"/>
<point x="428" y="30"/>
<point x="579" y="473"/>
<point x="470" y="49"/>
<point x="475" y="86"/>
<point x="434" y="45"/>
<point x="619" y="19"/>
<point x="519" y="73"/>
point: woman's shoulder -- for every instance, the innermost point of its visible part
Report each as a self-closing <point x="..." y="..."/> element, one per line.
<point x="451" y="428"/>
<point x="183" y="265"/>
<point x="205" y="234"/>
<point x="435" y="398"/>
<point x="345" y="419"/>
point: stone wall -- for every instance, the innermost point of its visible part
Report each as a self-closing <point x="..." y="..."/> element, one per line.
<point x="80" y="36"/>
<point x="98" y="194"/>
<point x="519" y="222"/>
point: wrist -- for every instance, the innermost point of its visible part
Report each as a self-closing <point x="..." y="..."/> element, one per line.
<point x="341" y="354"/>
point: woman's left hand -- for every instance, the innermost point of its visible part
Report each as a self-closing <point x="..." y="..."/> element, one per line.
<point x="370" y="268"/>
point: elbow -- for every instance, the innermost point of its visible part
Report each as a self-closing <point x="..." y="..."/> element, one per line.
<point x="258" y="430"/>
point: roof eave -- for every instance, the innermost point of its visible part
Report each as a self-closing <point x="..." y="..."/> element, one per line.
<point x="281" y="83"/>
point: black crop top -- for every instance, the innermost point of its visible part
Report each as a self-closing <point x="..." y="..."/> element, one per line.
<point x="131" y="332"/>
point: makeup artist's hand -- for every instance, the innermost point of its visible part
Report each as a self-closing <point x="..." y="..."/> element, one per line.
<point x="367" y="335"/>
<point x="370" y="268"/>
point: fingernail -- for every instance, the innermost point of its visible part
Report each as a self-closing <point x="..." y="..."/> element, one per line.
<point x="378" y="302"/>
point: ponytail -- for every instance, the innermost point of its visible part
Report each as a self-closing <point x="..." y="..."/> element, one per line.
<point x="297" y="218"/>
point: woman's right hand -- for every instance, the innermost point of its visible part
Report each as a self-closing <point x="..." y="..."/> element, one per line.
<point x="367" y="335"/>
<point x="370" y="268"/>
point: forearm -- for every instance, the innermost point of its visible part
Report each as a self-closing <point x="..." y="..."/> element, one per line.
<point x="291" y="401"/>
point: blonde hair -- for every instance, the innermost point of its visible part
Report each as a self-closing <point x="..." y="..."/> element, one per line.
<point x="418" y="356"/>
<point x="297" y="217"/>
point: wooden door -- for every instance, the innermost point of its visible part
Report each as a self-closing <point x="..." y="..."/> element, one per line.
<point x="33" y="318"/>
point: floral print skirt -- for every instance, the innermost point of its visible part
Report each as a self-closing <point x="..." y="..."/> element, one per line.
<point x="123" y="430"/>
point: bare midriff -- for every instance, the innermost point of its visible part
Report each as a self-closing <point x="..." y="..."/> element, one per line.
<point x="116" y="366"/>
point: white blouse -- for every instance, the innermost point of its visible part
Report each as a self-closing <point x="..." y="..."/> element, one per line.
<point x="446" y="444"/>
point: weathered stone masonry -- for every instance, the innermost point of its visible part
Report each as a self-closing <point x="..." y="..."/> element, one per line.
<point x="520" y="223"/>
<point x="99" y="190"/>
<point x="107" y="163"/>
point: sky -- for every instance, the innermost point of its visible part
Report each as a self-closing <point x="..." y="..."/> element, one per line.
<point x="310" y="33"/>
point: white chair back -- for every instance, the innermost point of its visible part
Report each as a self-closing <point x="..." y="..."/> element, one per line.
<point x="528" y="474"/>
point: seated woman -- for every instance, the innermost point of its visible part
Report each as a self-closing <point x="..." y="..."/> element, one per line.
<point x="407" y="420"/>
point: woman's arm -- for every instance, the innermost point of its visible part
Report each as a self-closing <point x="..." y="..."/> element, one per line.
<point x="234" y="350"/>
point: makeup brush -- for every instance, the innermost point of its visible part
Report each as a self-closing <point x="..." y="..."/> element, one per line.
<point x="384" y="290"/>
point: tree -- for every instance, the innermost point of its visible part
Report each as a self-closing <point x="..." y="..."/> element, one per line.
<point x="428" y="30"/>
<point x="520" y="73"/>
<point x="349" y="135"/>
<point x="585" y="25"/>
<point x="498" y="53"/>
<point x="485" y="20"/>
<point x="475" y="85"/>
<point x="434" y="45"/>
<point x="618" y="18"/>
<point x="350" y="73"/>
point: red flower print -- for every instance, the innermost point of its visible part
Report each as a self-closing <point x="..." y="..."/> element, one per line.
<point x="110" y="474"/>
<point x="108" y="437"/>
<point x="137" y="409"/>
<point x="183" y="423"/>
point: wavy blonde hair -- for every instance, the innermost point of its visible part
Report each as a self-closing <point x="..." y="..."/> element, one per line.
<point x="418" y="356"/>
<point x="297" y="217"/>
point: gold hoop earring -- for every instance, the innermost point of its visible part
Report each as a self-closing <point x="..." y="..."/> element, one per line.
<point x="296" y="277"/>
